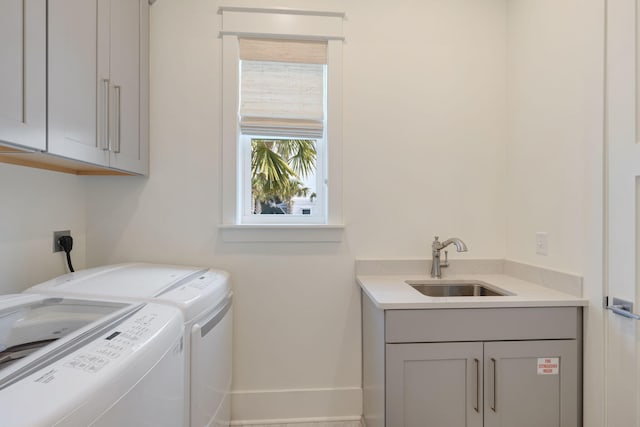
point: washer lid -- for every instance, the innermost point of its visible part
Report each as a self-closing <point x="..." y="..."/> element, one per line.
<point x="34" y="326"/>
<point x="79" y="384"/>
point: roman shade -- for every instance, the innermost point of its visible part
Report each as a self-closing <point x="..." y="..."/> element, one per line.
<point x="282" y="87"/>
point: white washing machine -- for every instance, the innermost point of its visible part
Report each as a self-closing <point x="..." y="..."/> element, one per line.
<point x="204" y="296"/>
<point x="70" y="362"/>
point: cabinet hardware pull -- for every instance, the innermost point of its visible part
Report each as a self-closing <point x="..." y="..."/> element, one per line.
<point x="477" y="404"/>
<point x="117" y="121"/>
<point x="623" y="308"/>
<point x="103" y="137"/>
<point x="494" y="400"/>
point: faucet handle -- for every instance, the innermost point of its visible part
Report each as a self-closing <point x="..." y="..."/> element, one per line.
<point x="445" y="263"/>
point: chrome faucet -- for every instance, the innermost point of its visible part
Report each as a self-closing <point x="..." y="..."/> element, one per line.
<point x="436" y="247"/>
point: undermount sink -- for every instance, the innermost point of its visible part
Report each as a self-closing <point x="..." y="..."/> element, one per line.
<point x="456" y="288"/>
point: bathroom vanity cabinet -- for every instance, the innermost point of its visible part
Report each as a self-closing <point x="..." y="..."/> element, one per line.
<point x="472" y="367"/>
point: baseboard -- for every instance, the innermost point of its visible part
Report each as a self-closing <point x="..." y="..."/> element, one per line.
<point x="312" y="422"/>
<point x="338" y="407"/>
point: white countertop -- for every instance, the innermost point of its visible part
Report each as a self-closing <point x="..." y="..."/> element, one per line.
<point x="391" y="293"/>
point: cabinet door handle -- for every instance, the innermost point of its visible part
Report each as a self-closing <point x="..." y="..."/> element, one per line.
<point x="103" y="137"/>
<point x="117" y="119"/>
<point x="477" y="404"/>
<point x="494" y="398"/>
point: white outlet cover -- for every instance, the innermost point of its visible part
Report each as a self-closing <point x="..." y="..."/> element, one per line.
<point x="542" y="243"/>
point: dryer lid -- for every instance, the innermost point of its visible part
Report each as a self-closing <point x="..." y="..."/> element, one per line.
<point x="122" y="281"/>
<point x="194" y="290"/>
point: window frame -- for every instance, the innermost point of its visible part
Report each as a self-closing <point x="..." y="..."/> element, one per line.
<point x="298" y="25"/>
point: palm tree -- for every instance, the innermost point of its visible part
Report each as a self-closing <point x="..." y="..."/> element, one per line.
<point x="277" y="166"/>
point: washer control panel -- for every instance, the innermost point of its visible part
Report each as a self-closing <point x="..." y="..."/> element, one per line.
<point x="121" y="342"/>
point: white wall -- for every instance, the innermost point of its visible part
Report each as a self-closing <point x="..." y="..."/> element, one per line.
<point x="424" y="131"/>
<point x="34" y="204"/>
<point x="555" y="155"/>
<point x="547" y="57"/>
<point x="424" y="154"/>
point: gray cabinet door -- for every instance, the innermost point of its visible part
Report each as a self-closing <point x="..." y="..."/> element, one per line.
<point x="128" y="77"/>
<point x="434" y="385"/>
<point x="531" y="384"/>
<point x="98" y="82"/>
<point x="78" y="64"/>
<point x="23" y="73"/>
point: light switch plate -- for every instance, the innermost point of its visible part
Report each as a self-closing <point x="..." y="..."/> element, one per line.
<point x="542" y="243"/>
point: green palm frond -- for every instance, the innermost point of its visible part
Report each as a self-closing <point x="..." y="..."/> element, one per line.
<point x="277" y="166"/>
<point x="303" y="161"/>
<point x="266" y="162"/>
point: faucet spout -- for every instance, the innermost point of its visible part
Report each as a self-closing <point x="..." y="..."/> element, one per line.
<point x="460" y="246"/>
<point x="436" y="247"/>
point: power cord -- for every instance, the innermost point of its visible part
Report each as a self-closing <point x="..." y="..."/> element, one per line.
<point x="66" y="243"/>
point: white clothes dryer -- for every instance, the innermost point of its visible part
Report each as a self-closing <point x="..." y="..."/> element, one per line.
<point x="73" y="362"/>
<point x="203" y="295"/>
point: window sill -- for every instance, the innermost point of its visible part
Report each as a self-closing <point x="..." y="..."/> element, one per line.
<point x="293" y="233"/>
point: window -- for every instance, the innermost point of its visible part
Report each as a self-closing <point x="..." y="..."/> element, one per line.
<point x="282" y="176"/>
<point x="282" y="118"/>
<point x="282" y="143"/>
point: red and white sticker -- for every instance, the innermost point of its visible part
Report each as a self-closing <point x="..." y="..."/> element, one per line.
<point x="548" y="365"/>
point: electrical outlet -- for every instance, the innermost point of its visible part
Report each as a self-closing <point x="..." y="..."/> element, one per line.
<point x="542" y="243"/>
<point x="56" y="236"/>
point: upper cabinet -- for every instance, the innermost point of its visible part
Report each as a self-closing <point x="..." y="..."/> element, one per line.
<point x="23" y="74"/>
<point x="98" y="82"/>
<point x="129" y="85"/>
<point x="74" y="85"/>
